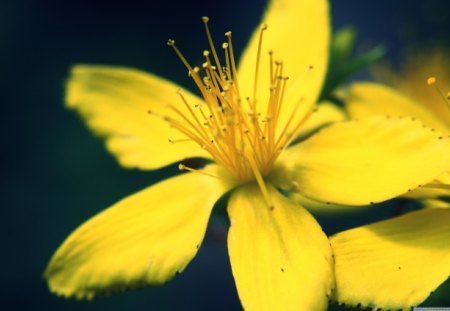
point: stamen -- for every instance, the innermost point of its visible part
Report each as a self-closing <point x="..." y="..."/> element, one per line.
<point x="171" y="43"/>
<point x="173" y="141"/>
<point x="241" y="139"/>
<point x="260" y="181"/>
<point x="431" y="81"/>
<point x="271" y="67"/>
<point x="258" y="57"/>
<point x="233" y="64"/>
<point x="191" y="112"/>
<point x="183" y="167"/>
<point x="205" y="20"/>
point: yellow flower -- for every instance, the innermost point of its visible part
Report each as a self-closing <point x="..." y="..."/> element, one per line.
<point x="397" y="263"/>
<point x="244" y="121"/>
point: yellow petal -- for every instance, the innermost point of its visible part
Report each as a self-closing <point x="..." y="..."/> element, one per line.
<point x="395" y="263"/>
<point x="326" y="114"/>
<point x="417" y="67"/>
<point x="368" y="99"/>
<point x="320" y="207"/>
<point x="280" y="257"/>
<point x="115" y="102"/>
<point x="360" y="162"/>
<point x="298" y="34"/>
<point x="435" y="203"/>
<point x="430" y="192"/>
<point x="147" y="238"/>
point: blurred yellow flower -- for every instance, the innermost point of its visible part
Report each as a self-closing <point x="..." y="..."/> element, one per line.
<point x="244" y="121"/>
<point x="397" y="263"/>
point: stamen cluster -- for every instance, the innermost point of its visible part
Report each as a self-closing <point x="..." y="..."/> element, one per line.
<point x="240" y="137"/>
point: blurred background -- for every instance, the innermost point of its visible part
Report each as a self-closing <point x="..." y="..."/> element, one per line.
<point x="56" y="174"/>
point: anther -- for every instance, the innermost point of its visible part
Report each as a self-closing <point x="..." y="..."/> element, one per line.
<point x="228" y="34"/>
<point x="431" y="81"/>
<point x="205" y="19"/>
<point x="225" y="45"/>
<point x="170" y="42"/>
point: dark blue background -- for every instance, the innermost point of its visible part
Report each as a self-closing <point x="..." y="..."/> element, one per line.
<point x="55" y="174"/>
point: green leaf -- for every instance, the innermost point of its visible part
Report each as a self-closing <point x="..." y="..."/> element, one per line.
<point x="343" y="64"/>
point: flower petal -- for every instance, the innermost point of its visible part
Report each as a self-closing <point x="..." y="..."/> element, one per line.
<point x="393" y="264"/>
<point x="115" y="102"/>
<point x="435" y="203"/>
<point x="326" y="114"/>
<point x="430" y="192"/>
<point x="360" y="162"/>
<point x="144" y="239"/>
<point x="320" y="207"/>
<point x="298" y="34"/>
<point x="280" y="257"/>
<point x="368" y="99"/>
<point x="411" y="79"/>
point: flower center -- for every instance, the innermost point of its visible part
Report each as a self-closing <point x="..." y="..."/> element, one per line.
<point x="243" y="137"/>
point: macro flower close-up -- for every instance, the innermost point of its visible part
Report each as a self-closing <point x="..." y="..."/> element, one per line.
<point x="258" y="155"/>
<point x="245" y="120"/>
